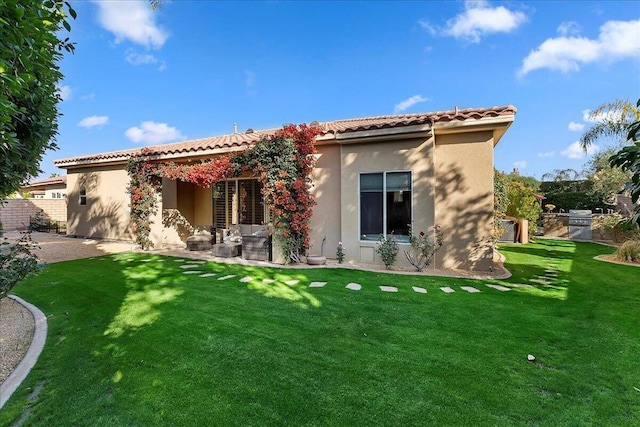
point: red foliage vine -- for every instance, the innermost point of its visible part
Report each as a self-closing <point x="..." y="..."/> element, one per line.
<point x="282" y="163"/>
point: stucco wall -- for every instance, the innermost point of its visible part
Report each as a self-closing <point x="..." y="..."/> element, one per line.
<point x="15" y="213"/>
<point x="464" y="199"/>
<point x="415" y="155"/>
<point x="106" y="213"/>
<point x="326" y="189"/>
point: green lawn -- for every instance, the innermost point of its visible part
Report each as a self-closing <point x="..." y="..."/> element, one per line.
<point x="139" y="343"/>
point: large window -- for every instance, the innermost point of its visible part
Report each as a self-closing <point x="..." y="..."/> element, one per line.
<point x="385" y="205"/>
<point x="237" y="202"/>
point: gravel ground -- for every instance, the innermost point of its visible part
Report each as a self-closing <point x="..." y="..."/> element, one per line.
<point x="16" y="322"/>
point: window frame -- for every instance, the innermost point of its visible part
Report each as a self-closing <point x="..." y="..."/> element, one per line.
<point x="82" y="199"/>
<point x="384" y="204"/>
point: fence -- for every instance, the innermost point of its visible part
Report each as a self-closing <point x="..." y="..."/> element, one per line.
<point x="16" y="214"/>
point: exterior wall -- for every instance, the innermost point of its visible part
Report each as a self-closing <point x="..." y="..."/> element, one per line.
<point x="415" y="155"/>
<point x="464" y="199"/>
<point x="49" y="193"/>
<point x="106" y="213"/>
<point x="15" y="213"/>
<point x="326" y="214"/>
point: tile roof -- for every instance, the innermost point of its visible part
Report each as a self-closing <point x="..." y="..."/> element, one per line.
<point x="56" y="180"/>
<point x="237" y="141"/>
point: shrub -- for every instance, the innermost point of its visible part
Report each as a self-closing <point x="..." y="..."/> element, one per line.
<point x="423" y="247"/>
<point x="16" y="262"/>
<point x="629" y="251"/>
<point x="388" y="250"/>
<point x="340" y="253"/>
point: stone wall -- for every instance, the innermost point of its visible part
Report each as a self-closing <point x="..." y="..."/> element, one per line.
<point x="15" y="213"/>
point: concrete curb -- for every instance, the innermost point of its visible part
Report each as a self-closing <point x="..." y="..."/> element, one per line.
<point x="37" y="344"/>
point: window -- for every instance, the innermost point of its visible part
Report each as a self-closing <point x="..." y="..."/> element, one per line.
<point x="238" y="202"/>
<point x="83" y="196"/>
<point x="385" y="205"/>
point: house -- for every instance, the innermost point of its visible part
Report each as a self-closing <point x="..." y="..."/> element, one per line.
<point x="374" y="176"/>
<point x="49" y="188"/>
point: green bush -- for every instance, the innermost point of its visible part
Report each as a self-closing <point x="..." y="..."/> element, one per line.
<point x="388" y="250"/>
<point x="629" y="251"/>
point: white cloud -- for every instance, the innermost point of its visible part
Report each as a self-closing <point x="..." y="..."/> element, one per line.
<point x="408" y="103"/>
<point x="547" y="154"/>
<point x="617" y="40"/>
<point x="569" y="28"/>
<point x="135" y="58"/>
<point x="478" y="20"/>
<point x="576" y="127"/>
<point x="92" y="121"/>
<point x="131" y="20"/>
<point x="153" y="133"/>
<point x="522" y="164"/>
<point x="65" y="92"/>
<point x="575" y="151"/>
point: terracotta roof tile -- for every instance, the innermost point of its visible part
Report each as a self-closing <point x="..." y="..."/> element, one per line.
<point x="237" y="141"/>
<point x="56" y="180"/>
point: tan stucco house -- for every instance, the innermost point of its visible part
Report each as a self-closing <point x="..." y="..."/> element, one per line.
<point x="374" y="175"/>
<point x="48" y="188"/>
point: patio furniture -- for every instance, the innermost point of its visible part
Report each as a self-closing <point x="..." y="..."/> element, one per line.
<point x="203" y="239"/>
<point x="227" y="250"/>
<point x="256" y="247"/>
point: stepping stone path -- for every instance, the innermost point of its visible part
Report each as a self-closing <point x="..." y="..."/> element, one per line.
<point x="291" y="282"/>
<point x="470" y="289"/>
<point x="207" y="275"/>
<point x="499" y="287"/>
<point x="189" y="266"/>
<point x="246" y="279"/>
<point x="354" y="286"/>
<point x="226" y="277"/>
<point x="419" y="290"/>
<point x="268" y="281"/>
<point x="540" y="281"/>
<point x="520" y="285"/>
<point x="180" y="260"/>
<point x="317" y="284"/>
<point x="388" y="289"/>
<point x="193" y="272"/>
<point x="447" y="290"/>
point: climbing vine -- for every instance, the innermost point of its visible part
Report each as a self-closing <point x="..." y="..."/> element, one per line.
<point x="283" y="164"/>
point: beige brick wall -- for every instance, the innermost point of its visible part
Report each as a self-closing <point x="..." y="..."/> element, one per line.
<point x="15" y="213"/>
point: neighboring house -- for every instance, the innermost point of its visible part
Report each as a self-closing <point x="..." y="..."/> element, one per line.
<point x="49" y="188"/>
<point x="374" y="176"/>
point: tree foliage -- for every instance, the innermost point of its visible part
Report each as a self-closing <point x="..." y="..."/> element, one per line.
<point x="16" y="262"/>
<point x="612" y="119"/>
<point x="628" y="159"/>
<point x="607" y="181"/>
<point x="30" y="49"/>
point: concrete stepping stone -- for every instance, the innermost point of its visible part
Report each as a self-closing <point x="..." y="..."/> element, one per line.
<point x="192" y="272"/>
<point x="227" y="277"/>
<point x="145" y="260"/>
<point x="499" y="287"/>
<point x="317" y="284"/>
<point x="447" y="290"/>
<point x="291" y="282"/>
<point x="354" y="286"/>
<point x="268" y="281"/>
<point x="541" y="281"/>
<point x="520" y="285"/>
<point x="470" y="289"/>
<point x="189" y="266"/>
<point x="388" y="289"/>
<point x="419" y="290"/>
<point x="246" y="279"/>
<point x="207" y="275"/>
<point x="180" y="260"/>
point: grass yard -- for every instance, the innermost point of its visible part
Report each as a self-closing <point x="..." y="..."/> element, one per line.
<point x="134" y="341"/>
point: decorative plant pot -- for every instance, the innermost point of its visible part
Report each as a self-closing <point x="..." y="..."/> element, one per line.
<point x="316" y="260"/>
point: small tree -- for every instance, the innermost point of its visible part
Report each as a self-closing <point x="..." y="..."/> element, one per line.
<point x="423" y="247"/>
<point x="523" y="203"/>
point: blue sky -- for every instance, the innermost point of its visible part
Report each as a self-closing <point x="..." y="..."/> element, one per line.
<point x="194" y="68"/>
